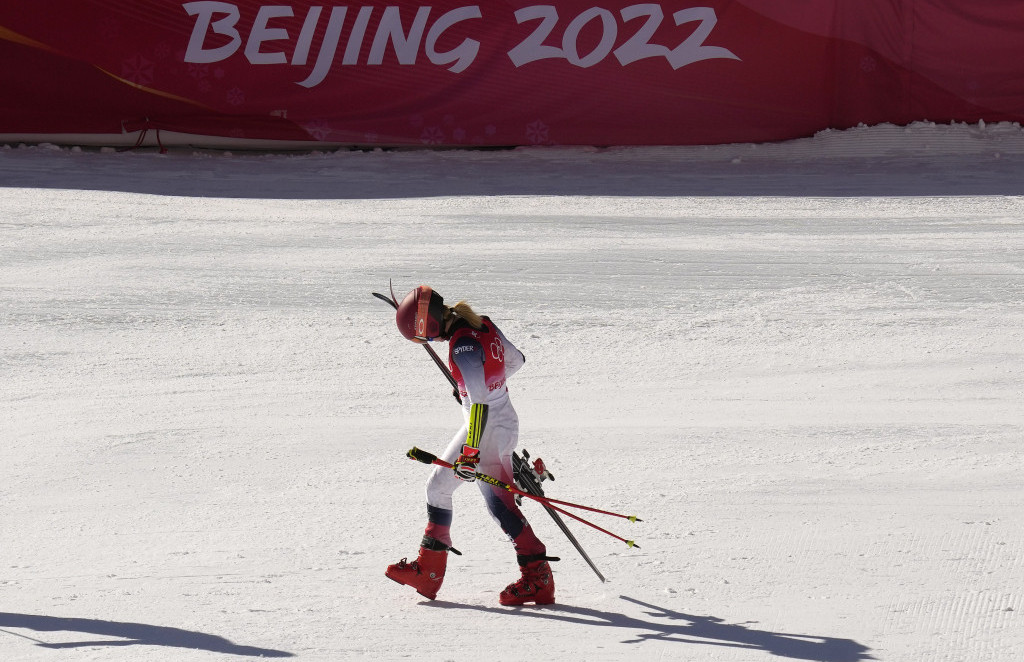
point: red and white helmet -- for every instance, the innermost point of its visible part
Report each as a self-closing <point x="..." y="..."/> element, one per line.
<point x="420" y="316"/>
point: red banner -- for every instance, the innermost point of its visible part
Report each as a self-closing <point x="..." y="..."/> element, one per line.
<point x="506" y="73"/>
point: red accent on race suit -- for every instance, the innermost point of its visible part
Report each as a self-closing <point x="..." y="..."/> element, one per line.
<point x="493" y="351"/>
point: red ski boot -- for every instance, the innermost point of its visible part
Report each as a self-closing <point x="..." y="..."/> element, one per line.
<point x="537" y="585"/>
<point x="425" y="574"/>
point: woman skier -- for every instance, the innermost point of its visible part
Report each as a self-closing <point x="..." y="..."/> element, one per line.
<point x="481" y="359"/>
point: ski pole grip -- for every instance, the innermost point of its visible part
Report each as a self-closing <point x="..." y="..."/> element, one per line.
<point x="421" y="455"/>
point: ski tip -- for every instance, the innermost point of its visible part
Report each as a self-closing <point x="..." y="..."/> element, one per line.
<point x="390" y="300"/>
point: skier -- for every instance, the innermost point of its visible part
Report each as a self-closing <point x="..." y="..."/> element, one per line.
<point x="480" y="359"/>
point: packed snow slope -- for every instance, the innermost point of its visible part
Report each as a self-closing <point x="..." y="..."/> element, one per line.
<point x="802" y="365"/>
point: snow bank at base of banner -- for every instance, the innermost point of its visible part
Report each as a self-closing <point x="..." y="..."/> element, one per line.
<point x="919" y="137"/>
<point x="931" y="159"/>
<point x="803" y="370"/>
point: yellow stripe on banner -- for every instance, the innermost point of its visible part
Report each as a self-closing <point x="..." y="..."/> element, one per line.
<point x="9" y="35"/>
<point x="159" y="93"/>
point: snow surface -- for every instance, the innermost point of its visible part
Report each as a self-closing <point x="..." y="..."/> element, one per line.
<point x="801" y="364"/>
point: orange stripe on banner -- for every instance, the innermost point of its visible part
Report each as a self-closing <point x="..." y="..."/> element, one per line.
<point x="159" y="93"/>
<point x="12" y="36"/>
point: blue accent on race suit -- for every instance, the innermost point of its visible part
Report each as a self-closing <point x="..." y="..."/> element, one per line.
<point x="511" y="521"/>
<point x="439" y="516"/>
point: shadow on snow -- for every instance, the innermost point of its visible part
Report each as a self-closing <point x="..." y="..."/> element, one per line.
<point x="128" y="634"/>
<point x="677" y="627"/>
<point x="572" y="172"/>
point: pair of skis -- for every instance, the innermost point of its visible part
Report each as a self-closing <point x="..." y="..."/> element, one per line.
<point x="529" y="479"/>
<point x="528" y="476"/>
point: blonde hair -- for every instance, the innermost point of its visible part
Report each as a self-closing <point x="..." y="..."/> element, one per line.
<point x="462" y="309"/>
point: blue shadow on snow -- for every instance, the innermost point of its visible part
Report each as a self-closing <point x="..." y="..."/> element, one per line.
<point x="129" y="634"/>
<point x="673" y="626"/>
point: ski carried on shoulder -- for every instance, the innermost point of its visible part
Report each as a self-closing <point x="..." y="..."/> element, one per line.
<point x="528" y="478"/>
<point x="393" y="301"/>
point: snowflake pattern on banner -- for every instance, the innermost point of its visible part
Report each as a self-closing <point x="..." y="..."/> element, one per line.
<point x="198" y="71"/>
<point x="318" y="129"/>
<point x="432" y="135"/>
<point x="235" y="96"/>
<point x="138" y="70"/>
<point x="109" y="29"/>
<point x="537" y="133"/>
<point x="427" y="134"/>
<point x="451" y="130"/>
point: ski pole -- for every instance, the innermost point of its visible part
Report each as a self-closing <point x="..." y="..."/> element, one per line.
<point x="429" y="458"/>
<point x="629" y="543"/>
